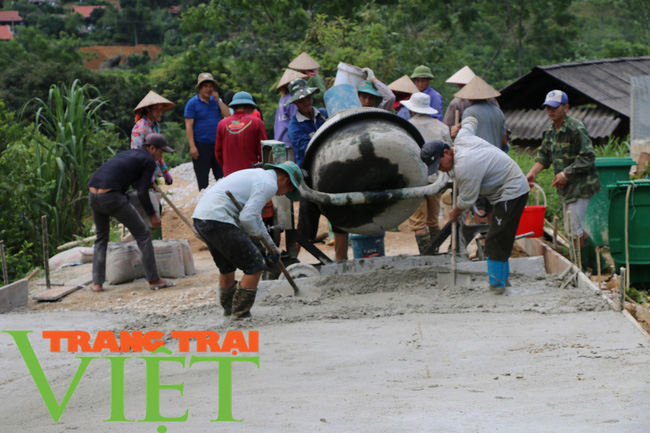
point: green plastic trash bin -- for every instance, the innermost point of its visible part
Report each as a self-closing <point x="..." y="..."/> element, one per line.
<point x="638" y="228"/>
<point x="610" y="171"/>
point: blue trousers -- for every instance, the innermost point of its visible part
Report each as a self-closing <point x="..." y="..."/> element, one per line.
<point x="204" y="163"/>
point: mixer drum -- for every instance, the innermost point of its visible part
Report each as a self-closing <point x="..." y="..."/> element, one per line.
<point x="366" y="149"/>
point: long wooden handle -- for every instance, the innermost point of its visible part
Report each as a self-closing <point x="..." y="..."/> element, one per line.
<point x="178" y="212"/>
<point x="268" y="247"/>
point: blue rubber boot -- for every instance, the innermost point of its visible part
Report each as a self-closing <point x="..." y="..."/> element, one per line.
<point x="497" y="275"/>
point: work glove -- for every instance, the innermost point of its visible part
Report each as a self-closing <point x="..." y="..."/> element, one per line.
<point x="369" y="74"/>
<point x="273" y="257"/>
<point x="168" y="179"/>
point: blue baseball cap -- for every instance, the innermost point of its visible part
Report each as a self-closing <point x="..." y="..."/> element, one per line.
<point x="555" y="98"/>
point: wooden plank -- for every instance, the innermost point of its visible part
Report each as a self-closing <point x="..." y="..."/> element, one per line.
<point x="83" y="280"/>
<point x="56" y="293"/>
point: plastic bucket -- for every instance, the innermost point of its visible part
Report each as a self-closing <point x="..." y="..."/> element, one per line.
<point x="341" y="97"/>
<point x="364" y="246"/>
<point x="349" y="74"/>
<point x="532" y="219"/>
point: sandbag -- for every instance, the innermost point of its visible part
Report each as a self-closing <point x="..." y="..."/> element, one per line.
<point x="188" y="258"/>
<point x="123" y="263"/>
<point x="135" y="201"/>
<point x="169" y="258"/>
<point x="71" y="256"/>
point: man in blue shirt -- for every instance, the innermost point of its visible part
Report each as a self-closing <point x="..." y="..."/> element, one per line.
<point x="307" y="120"/>
<point x="202" y="115"/>
<point x="422" y="76"/>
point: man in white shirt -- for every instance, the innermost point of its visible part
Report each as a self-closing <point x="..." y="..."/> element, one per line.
<point x="228" y="232"/>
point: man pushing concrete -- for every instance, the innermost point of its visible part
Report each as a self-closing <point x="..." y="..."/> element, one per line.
<point x="228" y="232"/>
<point x="480" y="168"/>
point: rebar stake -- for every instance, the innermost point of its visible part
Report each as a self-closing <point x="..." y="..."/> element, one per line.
<point x="5" y="274"/>
<point x="622" y="288"/>
<point x="46" y="253"/>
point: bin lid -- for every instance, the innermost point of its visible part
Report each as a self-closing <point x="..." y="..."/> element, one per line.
<point x="623" y="184"/>
<point x="614" y="162"/>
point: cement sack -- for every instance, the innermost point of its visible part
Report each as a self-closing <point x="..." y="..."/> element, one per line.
<point x="87" y="254"/>
<point x="135" y="201"/>
<point x="72" y="256"/>
<point x="188" y="259"/>
<point x="169" y="258"/>
<point x="123" y="263"/>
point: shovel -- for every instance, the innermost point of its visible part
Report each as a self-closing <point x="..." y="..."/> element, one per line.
<point x="268" y="248"/>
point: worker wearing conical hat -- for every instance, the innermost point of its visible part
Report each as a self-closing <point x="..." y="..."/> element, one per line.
<point x="422" y="77"/>
<point x="460" y="79"/>
<point x="403" y="88"/>
<point x="148" y="114"/>
<point x="308" y="66"/>
<point x="284" y="113"/>
<point x="491" y="121"/>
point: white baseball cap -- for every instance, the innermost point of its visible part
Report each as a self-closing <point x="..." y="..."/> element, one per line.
<point x="555" y="98"/>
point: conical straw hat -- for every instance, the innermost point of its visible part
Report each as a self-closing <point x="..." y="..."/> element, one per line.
<point x="153" y="98"/>
<point x="403" y="85"/>
<point x="288" y="76"/>
<point x="463" y="76"/>
<point x="304" y="62"/>
<point x="477" y="89"/>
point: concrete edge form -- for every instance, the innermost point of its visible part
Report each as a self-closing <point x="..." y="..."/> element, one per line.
<point x="556" y="263"/>
<point x="14" y="295"/>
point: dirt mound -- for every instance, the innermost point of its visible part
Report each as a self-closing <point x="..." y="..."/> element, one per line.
<point x="101" y="53"/>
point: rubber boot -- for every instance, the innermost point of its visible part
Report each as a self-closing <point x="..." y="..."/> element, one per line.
<point x="423" y="240"/>
<point x="497" y="275"/>
<point x="225" y="298"/>
<point x="242" y="302"/>
<point x="433" y="233"/>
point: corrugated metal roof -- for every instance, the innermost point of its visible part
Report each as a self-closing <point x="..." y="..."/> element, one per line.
<point x="530" y="124"/>
<point x="604" y="82"/>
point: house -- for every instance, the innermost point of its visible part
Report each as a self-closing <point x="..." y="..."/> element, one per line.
<point x="5" y="33"/>
<point x="599" y="94"/>
<point x="85" y="11"/>
<point x="10" y="18"/>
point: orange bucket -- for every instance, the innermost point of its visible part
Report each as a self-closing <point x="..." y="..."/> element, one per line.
<point x="532" y="220"/>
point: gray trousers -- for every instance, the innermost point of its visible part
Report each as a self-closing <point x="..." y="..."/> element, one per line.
<point x="117" y="205"/>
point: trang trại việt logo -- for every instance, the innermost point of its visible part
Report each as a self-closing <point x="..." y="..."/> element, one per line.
<point x="229" y="346"/>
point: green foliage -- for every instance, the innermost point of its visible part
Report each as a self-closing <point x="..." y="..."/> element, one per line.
<point x="615" y="147"/>
<point x="33" y="45"/>
<point x="22" y="81"/>
<point x="174" y="132"/>
<point x="22" y="204"/>
<point x="66" y="159"/>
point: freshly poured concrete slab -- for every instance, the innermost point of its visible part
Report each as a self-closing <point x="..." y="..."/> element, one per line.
<point x="382" y="351"/>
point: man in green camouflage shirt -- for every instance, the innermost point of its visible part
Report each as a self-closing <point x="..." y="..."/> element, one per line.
<point x="566" y="145"/>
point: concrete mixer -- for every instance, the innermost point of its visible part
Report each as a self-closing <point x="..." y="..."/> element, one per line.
<point x="363" y="166"/>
